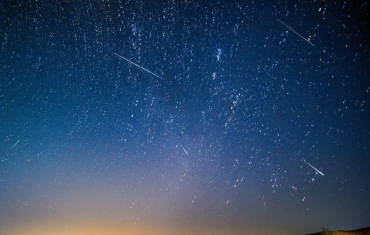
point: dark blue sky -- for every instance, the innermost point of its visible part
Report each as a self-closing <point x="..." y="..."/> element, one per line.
<point x="218" y="118"/>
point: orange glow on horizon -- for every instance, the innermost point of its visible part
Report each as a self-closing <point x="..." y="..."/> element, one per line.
<point x="99" y="229"/>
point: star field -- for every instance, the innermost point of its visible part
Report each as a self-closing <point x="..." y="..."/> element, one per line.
<point x="184" y="117"/>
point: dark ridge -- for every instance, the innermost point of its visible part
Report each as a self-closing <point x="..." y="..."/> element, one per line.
<point x="360" y="231"/>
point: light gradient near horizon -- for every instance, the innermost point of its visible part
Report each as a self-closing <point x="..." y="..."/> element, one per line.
<point x="184" y="117"/>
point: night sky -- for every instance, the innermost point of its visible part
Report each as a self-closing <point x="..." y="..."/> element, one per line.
<point x="184" y="117"/>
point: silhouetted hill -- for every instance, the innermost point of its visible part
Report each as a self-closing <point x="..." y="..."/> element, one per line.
<point x="361" y="231"/>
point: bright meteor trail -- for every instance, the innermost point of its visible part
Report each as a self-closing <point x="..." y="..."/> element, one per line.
<point x="314" y="168"/>
<point x="138" y="65"/>
<point x="295" y="32"/>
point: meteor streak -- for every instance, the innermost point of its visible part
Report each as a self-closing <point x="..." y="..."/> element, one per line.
<point x="137" y="65"/>
<point x="184" y="149"/>
<point x="295" y="32"/>
<point x="314" y="168"/>
<point x="15" y="144"/>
